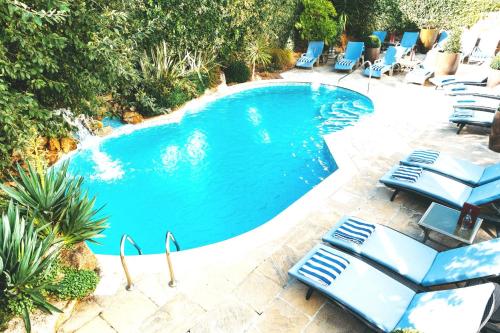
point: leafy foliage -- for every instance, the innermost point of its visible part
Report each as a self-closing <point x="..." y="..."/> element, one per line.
<point x="56" y="199"/>
<point x="24" y="259"/>
<point x="317" y="21"/>
<point x="281" y="58"/>
<point x="237" y="71"/>
<point x="454" y="42"/>
<point x="372" y="41"/>
<point x="495" y="63"/>
<point x="258" y="53"/>
<point x="75" y="284"/>
<point x="446" y="14"/>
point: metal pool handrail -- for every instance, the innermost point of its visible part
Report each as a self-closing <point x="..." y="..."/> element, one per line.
<point x="369" y="78"/>
<point x="170" y="236"/>
<point x="125" y="237"/>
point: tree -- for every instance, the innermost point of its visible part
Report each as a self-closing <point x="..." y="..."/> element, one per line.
<point x="317" y="21"/>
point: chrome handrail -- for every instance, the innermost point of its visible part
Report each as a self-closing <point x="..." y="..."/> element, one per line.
<point x="369" y="78"/>
<point x="125" y="237"/>
<point x="170" y="236"/>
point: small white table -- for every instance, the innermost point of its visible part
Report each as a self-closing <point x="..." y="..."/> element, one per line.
<point x="444" y="220"/>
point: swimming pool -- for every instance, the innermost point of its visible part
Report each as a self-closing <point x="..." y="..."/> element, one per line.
<point x="227" y="167"/>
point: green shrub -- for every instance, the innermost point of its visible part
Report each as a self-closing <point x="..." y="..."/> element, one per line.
<point x="237" y="72"/>
<point x="454" y="42"/>
<point x="495" y="63"/>
<point x="55" y="199"/>
<point x="317" y="21"/>
<point x="372" y="42"/>
<point x="24" y="260"/>
<point x="258" y="53"/>
<point x="281" y="58"/>
<point x="75" y="284"/>
<point x="446" y="14"/>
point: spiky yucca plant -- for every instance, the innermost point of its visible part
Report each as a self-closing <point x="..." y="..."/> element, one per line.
<point x="55" y="198"/>
<point x="24" y="259"/>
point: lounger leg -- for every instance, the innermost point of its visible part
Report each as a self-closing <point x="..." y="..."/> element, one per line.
<point x="460" y="128"/>
<point x="394" y="195"/>
<point x="309" y="293"/>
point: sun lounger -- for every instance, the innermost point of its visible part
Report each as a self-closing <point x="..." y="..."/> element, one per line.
<point x="381" y="35"/>
<point x="385" y="304"/>
<point x="420" y="73"/>
<point x="471" y="90"/>
<point x="445" y="190"/>
<point x="463" y="117"/>
<point x="412" y="259"/>
<point x="485" y="50"/>
<point x="461" y="170"/>
<point x="384" y="65"/>
<point x="408" y="42"/>
<point x="351" y="57"/>
<point x="476" y="103"/>
<point x="440" y="43"/>
<point x="314" y="50"/>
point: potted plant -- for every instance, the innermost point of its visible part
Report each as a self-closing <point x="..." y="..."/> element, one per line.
<point x="427" y="16"/>
<point x="448" y="59"/>
<point x="494" y="75"/>
<point x="372" y="48"/>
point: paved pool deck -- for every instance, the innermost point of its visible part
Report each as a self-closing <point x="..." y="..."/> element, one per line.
<point x="241" y="285"/>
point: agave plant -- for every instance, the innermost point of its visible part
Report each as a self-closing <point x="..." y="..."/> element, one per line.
<point x="24" y="259"/>
<point x="258" y="53"/>
<point x="55" y="198"/>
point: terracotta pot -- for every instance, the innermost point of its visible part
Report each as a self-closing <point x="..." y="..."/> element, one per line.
<point x="372" y="54"/>
<point x="428" y="37"/>
<point x="494" y="143"/>
<point x="493" y="78"/>
<point x="447" y="63"/>
<point x="343" y="40"/>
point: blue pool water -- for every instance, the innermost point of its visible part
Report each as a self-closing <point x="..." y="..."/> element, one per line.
<point x="226" y="168"/>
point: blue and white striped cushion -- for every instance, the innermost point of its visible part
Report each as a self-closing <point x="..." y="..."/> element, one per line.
<point x="407" y="173"/>
<point x="424" y="156"/>
<point x="323" y="267"/>
<point x="377" y="67"/>
<point x="463" y="113"/>
<point x="354" y="231"/>
<point x="345" y="62"/>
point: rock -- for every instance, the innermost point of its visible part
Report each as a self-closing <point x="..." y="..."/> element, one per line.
<point x="132" y="117"/>
<point x="54" y="144"/>
<point x="105" y="131"/>
<point x="53" y="156"/>
<point x="79" y="256"/>
<point x="68" y="144"/>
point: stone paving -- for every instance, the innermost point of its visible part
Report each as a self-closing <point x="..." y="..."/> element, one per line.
<point x="249" y="291"/>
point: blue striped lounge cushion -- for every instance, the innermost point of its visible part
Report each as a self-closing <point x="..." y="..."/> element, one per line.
<point x="345" y="62"/>
<point x="423" y="156"/>
<point x="354" y="231"/>
<point x="323" y="267"/>
<point x="463" y="113"/>
<point x="407" y="173"/>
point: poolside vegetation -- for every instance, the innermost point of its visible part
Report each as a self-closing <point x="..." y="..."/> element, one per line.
<point x="97" y="58"/>
<point x="48" y="214"/>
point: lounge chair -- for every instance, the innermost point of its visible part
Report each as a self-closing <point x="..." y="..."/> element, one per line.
<point x="314" y="50"/>
<point x="420" y="73"/>
<point x="381" y="35"/>
<point x="472" y="90"/>
<point x="461" y="170"/>
<point x="484" y="51"/>
<point x="408" y="42"/>
<point x="443" y="37"/>
<point x="444" y="190"/>
<point x="384" y="65"/>
<point x="478" y="78"/>
<point x="476" y="103"/>
<point x="463" y="117"/>
<point x="413" y="260"/>
<point x="468" y="41"/>
<point x="351" y="57"/>
<point x="385" y="304"/>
